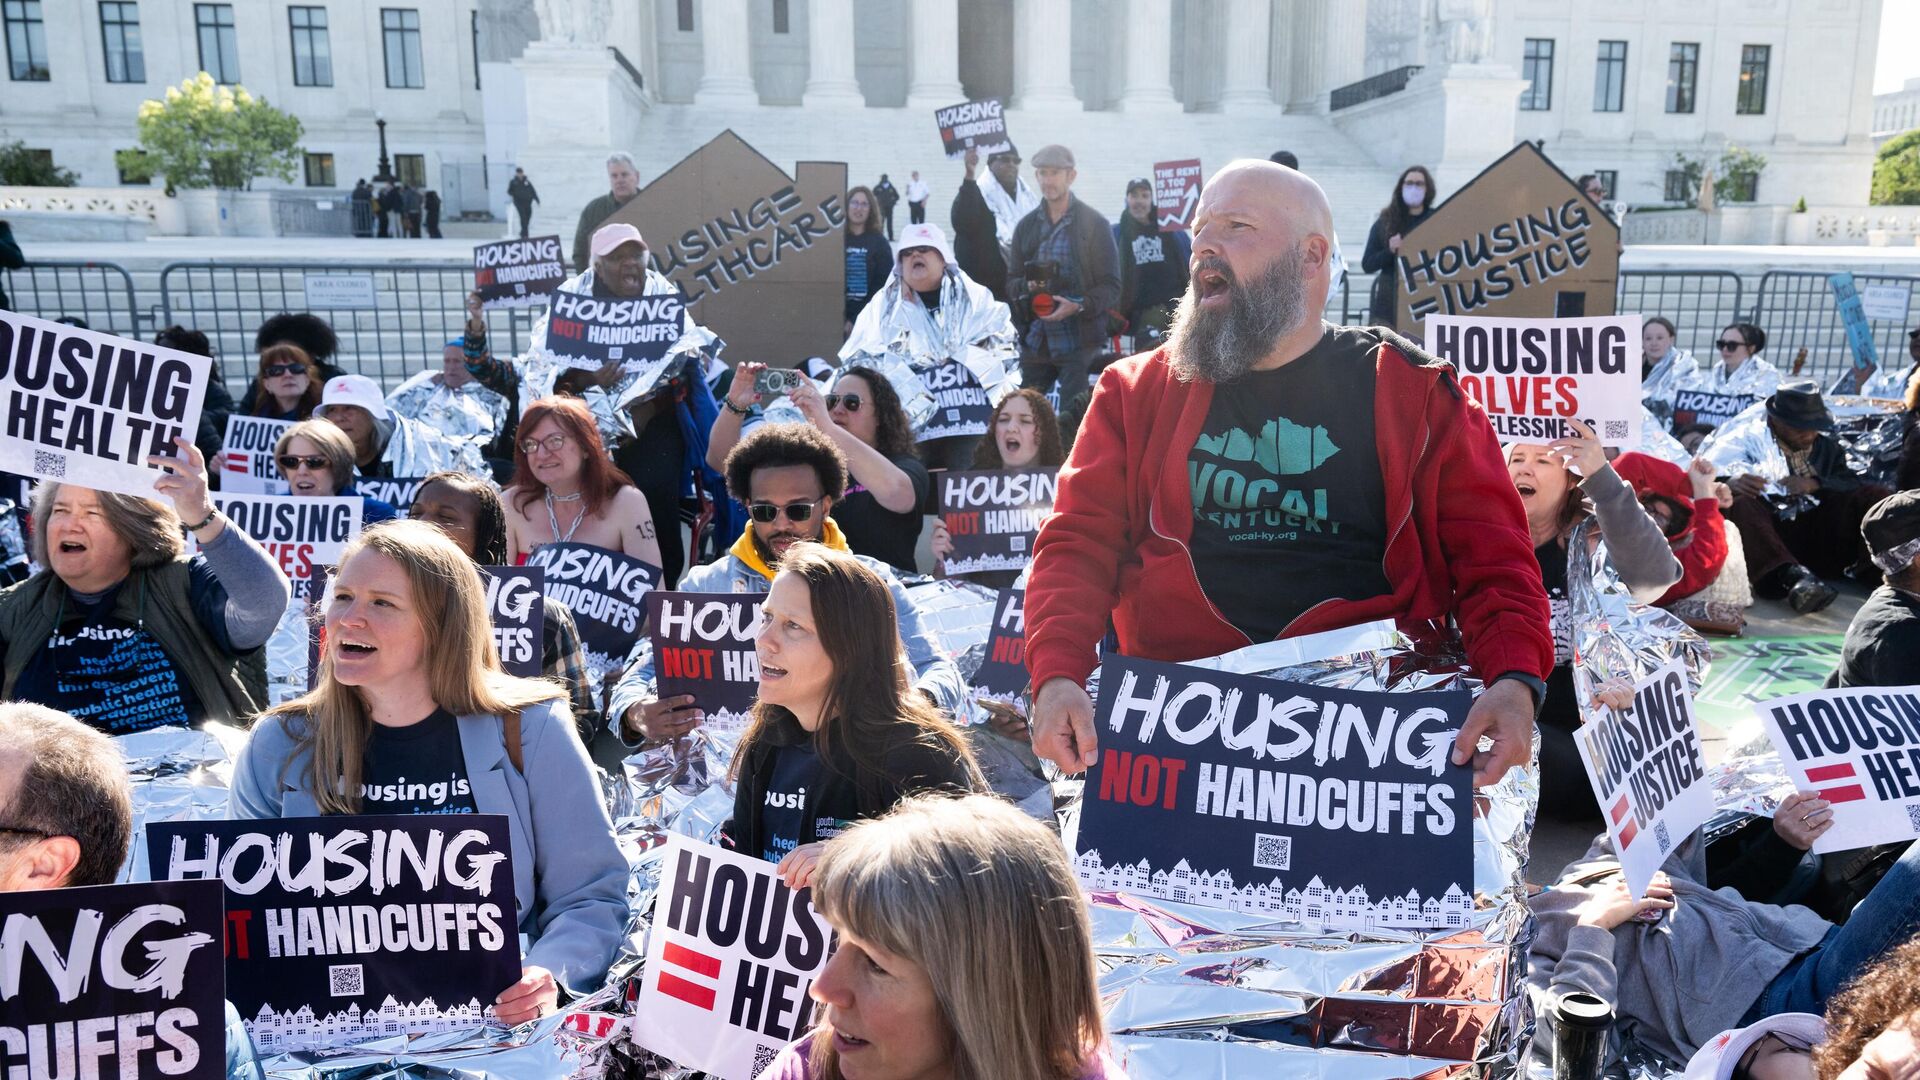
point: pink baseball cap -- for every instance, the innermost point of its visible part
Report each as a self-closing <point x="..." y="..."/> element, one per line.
<point x="1722" y="1053"/>
<point x="608" y="237"/>
<point x="352" y="390"/>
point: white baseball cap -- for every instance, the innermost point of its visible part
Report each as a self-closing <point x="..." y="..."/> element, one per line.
<point x="608" y="237"/>
<point x="352" y="390"/>
<point x="1717" y="1059"/>
<point x="924" y="235"/>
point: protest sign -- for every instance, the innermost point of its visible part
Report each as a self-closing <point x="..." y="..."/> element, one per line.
<point x="1002" y="677"/>
<point x="1520" y="239"/>
<point x="731" y="957"/>
<point x="246" y="458"/>
<point x="87" y="408"/>
<point x="703" y="645"/>
<point x="1534" y="374"/>
<point x="1365" y="821"/>
<point x="1648" y="773"/>
<point x="960" y="405"/>
<point x="592" y="331"/>
<point x="517" y="273"/>
<point x="340" y="929"/>
<point x="973" y="125"/>
<point x="1176" y="192"/>
<point x="397" y="492"/>
<point x="1887" y="302"/>
<point x="993" y="516"/>
<point x="519" y="619"/>
<point x="1859" y="749"/>
<point x="112" y="980"/>
<point x="726" y="217"/>
<point x="1692" y="407"/>
<point x="299" y="531"/>
<point x="1853" y="316"/>
<point x="606" y="592"/>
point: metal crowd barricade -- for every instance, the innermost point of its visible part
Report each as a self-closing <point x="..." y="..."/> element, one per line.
<point x="392" y="321"/>
<point x="100" y="293"/>
<point x="1698" y="302"/>
<point x="1796" y="309"/>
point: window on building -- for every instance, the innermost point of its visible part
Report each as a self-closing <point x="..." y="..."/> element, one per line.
<point x="120" y="41"/>
<point x="412" y="169"/>
<point x="401" y="29"/>
<point x="1610" y="77"/>
<point x="683" y="16"/>
<point x="1683" y="71"/>
<point x="219" y="48"/>
<point x="312" y="52"/>
<point x="1537" y="69"/>
<point x="1608" y="178"/>
<point x="1741" y="187"/>
<point x="133" y="166"/>
<point x="1753" y="79"/>
<point x="474" y="25"/>
<point x="782" y="17"/>
<point x="26" y="41"/>
<point x="319" y="170"/>
<point x="1677" y="189"/>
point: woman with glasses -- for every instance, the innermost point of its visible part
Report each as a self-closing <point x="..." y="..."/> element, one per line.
<point x="1411" y="202"/>
<point x="887" y="485"/>
<point x="316" y="460"/>
<point x="869" y="256"/>
<point x="288" y="390"/>
<point x="567" y="490"/>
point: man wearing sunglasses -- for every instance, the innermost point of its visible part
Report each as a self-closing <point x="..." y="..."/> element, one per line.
<point x="66" y="820"/>
<point x="789" y="476"/>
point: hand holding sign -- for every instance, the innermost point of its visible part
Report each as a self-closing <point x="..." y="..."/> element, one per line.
<point x="797" y="866"/>
<point x="1502" y="714"/>
<point x="534" y="996"/>
<point x="1063" y="726"/>
<point x="185" y="482"/>
<point x="1802" y="818"/>
<point x="1581" y="450"/>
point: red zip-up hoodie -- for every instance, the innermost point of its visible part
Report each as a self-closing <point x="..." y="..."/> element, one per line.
<point x="1116" y="543"/>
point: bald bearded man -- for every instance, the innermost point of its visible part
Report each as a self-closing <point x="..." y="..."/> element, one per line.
<point x="1267" y="475"/>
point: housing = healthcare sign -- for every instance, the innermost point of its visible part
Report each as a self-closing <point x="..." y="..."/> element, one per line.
<point x="703" y="646"/>
<point x="1648" y="774"/>
<point x="993" y="516"/>
<point x="593" y="332"/>
<point x="517" y="273"/>
<point x="112" y="981"/>
<point x="731" y="957"/>
<point x="1313" y="804"/>
<point x="339" y="929"/>
<point x="1859" y="749"/>
<point x="88" y="408"/>
<point x="1532" y="375"/>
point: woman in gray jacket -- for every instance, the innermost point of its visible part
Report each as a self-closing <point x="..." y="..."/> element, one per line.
<point x="410" y="687"/>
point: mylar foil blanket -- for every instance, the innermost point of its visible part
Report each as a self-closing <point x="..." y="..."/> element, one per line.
<point x="176" y="774"/>
<point x="414" y="449"/>
<point x="1656" y="442"/>
<point x="898" y="337"/>
<point x="1675" y="372"/>
<point x="468" y="413"/>
<point x="1615" y="638"/>
<point x="1745" y="445"/>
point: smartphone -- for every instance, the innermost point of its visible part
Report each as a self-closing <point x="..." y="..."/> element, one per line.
<point x="776" y="381"/>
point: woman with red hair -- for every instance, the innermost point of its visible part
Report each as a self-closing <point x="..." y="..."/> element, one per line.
<point x="566" y="488"/>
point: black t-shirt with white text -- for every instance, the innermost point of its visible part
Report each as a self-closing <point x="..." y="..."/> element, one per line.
<point x="417" y="769"/>
<point x="1289" y="508"/>
<point x="783" y="814"/>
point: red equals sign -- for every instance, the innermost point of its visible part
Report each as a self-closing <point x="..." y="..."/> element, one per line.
<point x="693" y="993"/>
<point x="1630" y="830"/>
<point x="1839" y="793"/>
<point x="236" y="461"/>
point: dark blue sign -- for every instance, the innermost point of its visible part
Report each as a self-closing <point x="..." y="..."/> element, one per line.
<point x="606" y="591"/>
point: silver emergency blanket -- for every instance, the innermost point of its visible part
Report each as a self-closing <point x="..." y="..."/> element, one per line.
<point x="1655" y="441"/>
<point x="959" y="616"/>
<point x="1746" y="445"/>
<point x="15" y="555"/>
<point x="1757" y="377"/>
<point x="898" y="337"/>
<point x="1873" y="432"/>
<point x="1615" y="638"/>
<point x="540" y="369"/>
<point x="1890" y="383"/>
<point x="1008" y="209"/>
<point x="287" y="653"/>
<point x="467" y="413"/>
<point x="1676" y="371"/>
<point x="176" y="774"/>
<point x="414" y="449"/>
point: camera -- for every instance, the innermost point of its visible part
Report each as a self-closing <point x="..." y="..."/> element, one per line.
<point x="776" y="380"/>
<point x="1039" y="300"/>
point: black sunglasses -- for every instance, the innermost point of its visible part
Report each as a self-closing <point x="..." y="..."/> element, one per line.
<point x="290" y="462"/>
<point x="765" y="512"/>
<point x="274" y="371"/>
<point x="834" y="401"/>
<point x="1729" y="346"/>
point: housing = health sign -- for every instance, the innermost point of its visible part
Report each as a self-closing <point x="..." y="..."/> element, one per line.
<point x="1646" y="767"/>
<point x="593" y="331"/>
<point x="246" y="458"/>
<point x="517" y="273"/>
<point x="1533" y="375"/>
<point x="993" y="516"/>
<point x="1859" y="749"/>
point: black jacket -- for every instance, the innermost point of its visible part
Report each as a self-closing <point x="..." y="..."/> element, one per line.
<point x="1379" y="260"/>
<point x="11" y="257"/>
<point x="1096" y="265"/>
<point x="887" y="195"/>
<point x="976" y="246"/>
<point x="911" y="766"/>
<point x="521" y="191"/>
<point x="1883" y="642"/>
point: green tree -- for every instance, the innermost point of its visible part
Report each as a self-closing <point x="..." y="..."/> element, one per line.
<point x="1896" y="171"/>
<point x="1690" y="169"/>
<point x="1738" y="178"/>
<point x="207" y="135"/>
<point x="21" y="167"/>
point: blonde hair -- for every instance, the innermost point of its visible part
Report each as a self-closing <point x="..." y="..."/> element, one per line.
<point x="462" y="669"/>
<point x="148" y="526"/>
<point x="334" y="445"/>
<point x="981" y="897"/>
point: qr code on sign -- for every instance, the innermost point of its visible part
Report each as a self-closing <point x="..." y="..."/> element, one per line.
<point x="1616" y="429"/>
<point x="762" y="1057"/>
<point x="47" y="463"/>
<point x="1660" y="837"/>
<point x="1913" y="816"/>
<point x="346" y="980"/>
<point x="1272" y="852"/>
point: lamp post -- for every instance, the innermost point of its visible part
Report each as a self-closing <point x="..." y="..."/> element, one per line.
<point x="385" y="175"/>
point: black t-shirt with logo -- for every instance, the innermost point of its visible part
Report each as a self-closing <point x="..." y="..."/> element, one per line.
<point x="417" y="769"/>
<point x="1289" y="508"/>
<point x="109" y="672"/>
<point x="1552" y="557"/>
<point x="783" y="814"/>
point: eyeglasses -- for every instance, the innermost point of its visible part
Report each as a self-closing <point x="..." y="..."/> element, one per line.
<point x="274" y="371"/>
<point x="851" y="401"/>
<point x="551" y="443"/>
<point x="290" y="462"/>
<point x="1729" y="346"/>
<point x="764" y="512"/>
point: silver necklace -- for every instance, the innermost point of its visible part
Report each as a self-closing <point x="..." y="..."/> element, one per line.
<point x="553" y="520"/>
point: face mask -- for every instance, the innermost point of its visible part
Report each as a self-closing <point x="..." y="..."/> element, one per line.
<point x="1412" y="195"/>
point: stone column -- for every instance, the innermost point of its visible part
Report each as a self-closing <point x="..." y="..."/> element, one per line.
<point x="1306" y="54"/>
<point x="1043" y="55"/>
<point x="935" y="55"/>
<point x="1345" y="48"/>
<point x="1149" y="65"/>
<point x="726" y="53"/>
<point x="830" y="76"/>
<point x="1249" y="45"/>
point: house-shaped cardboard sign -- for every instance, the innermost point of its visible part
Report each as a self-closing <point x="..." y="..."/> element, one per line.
<point x="760" y="256"/>
<point x="1518" y="240"/>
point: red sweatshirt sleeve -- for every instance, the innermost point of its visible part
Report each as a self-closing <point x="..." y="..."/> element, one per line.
<point x="1702" y="559"/>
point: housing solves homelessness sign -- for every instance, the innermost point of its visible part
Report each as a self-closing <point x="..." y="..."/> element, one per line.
<point x="88" y="408"/>
<point x="300" y="532"/>
<point x="731" y="957"/>
<point x="993" y="516"/>
<point x="1859" y="748"/>
<point x="112" y="980"/>
<point x="517" y="273"/>
<point x="342" y="928"/>
<point x="593" y="332"/>
<point x="1648" y="773"/>
<point x="1313" y="804"/>
<point x="1533" y="375"/>
<point x="703" y="645"/>
<point x="605" y="590"/>
<point x="978" y="125"/>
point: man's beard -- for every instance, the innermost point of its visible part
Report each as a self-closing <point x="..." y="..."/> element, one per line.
<point x="1221" y="346"/>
